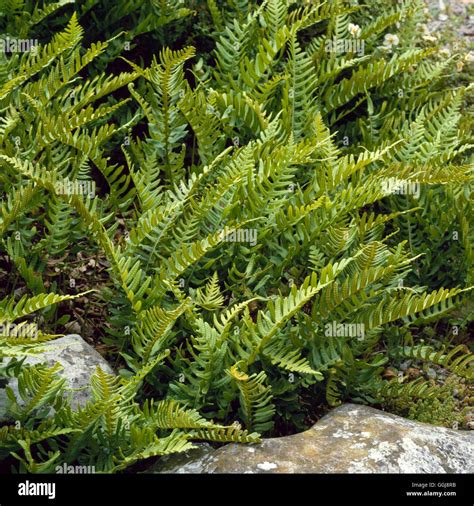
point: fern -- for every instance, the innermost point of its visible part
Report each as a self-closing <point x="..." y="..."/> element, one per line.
<point x="457" y="360"/>
<point x="242" y="208"/>
<point x="256" y="400"/>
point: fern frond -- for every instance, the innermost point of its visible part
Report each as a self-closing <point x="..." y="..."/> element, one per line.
<point x="255" y="399"/>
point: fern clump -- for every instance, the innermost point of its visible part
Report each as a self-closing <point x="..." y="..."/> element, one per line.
<point x="275" y="215"/>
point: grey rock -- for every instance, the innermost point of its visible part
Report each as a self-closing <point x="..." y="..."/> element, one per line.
<point x="405" y="365"/>
<point x="79" y="361"/>
<point x="182" y="463"/>
<point x="349" y="439"/>
<point x="431" y="373"/>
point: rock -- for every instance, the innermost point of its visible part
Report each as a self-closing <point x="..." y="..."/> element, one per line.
<point x="185" y="462"/>
<point x="405" y="365"/>
<point x="73" y="327"/>
<point x="349" y="439"/>
<point x="79" y="361"/>
<point x="431" y="373"/>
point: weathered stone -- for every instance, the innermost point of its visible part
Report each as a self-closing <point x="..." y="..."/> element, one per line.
<point x="79" y="361"/>
<point x="350" y="439"/>
<point x="185" y="462"/>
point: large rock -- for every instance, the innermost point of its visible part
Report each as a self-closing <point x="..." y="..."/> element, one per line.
<point x="79" y="361"/>
<point x="350" y="439"/>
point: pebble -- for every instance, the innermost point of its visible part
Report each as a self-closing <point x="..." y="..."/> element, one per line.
<point x="431" y="373"/>
<point x="405" y="365"/>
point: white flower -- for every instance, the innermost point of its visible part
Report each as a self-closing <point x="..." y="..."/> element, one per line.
<point x="469" y="57"/>
<point x="459" y="66"/>
<point x="354" y="30"/>
<point x="390" y="40"/>
<point x="443" y="17"/>
<point x="429" y="38"/>
<point x="445" y="52"/>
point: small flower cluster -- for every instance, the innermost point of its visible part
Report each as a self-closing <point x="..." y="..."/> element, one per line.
<point x="354" y="30"/>
<point x="390" y="40"/>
